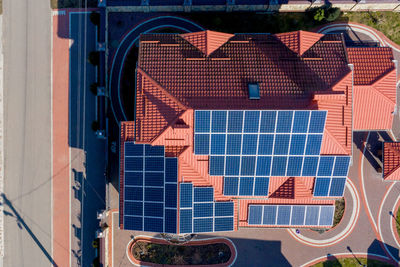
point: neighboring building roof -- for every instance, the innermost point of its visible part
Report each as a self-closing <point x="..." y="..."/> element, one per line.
<point x="299" y="41"/>
<point x="391" y="160"/>
<point x="374" y="87"/>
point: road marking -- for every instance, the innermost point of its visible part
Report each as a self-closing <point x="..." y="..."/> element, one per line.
<point x="340" y="236"/>
<point x="394" y="213"/>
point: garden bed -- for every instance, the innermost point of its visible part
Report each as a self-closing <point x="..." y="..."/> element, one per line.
<point x="181" y="254"/>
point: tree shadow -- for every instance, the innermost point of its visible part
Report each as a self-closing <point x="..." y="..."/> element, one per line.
<point x="331" y="261"/>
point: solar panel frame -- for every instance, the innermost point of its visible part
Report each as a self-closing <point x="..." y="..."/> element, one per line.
<point x="231" y="186"/>
<point x="251" y="121"/>
<point x="218" y="144"/>
<point x="218" y="122"/>
<point x="203" y="194"/>
<point x="235" y="121"/>
<point x="268" y="121"/>
<point x="255" y="214"/>
<point x="284" y="121"/>
<point x="202" y="120"/>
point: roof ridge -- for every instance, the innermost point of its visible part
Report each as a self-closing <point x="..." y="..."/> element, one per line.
<point x="396" y="169"/>
<point x="158" y="85"/>
<point x="336" y="141"/>
<point x="168" y="126"/>
<point x="376" y="90"/>
<point x="212" y="40"/>
<point x="377" y="82"/>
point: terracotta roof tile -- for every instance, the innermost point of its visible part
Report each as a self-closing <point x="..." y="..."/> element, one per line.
<point x="370" y="63"/>
<point x="299" y="41"/>
<point x="391" y="160"/>
<point x="207" y="41"/>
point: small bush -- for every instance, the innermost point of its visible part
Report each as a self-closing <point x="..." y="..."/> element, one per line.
<point x="94" y="58"/>
<point x="95" y="18"/>
<point x="95" y="126"/>
<point x="325" y="13"/>
<point x="93" y="88"/>
<point x="319" y="15"/>
<point x="333" y="14"/>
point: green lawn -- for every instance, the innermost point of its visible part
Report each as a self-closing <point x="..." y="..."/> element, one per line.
<point x="350" y="262"/>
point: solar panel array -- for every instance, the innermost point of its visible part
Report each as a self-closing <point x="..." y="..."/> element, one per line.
<point x="291" y="215"/>
<point x="200" y="213"/>
<point x="150" y="189"/>
<point x="248" y="147"/>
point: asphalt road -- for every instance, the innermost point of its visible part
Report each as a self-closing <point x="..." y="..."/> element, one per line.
<point x="27" y="107"/>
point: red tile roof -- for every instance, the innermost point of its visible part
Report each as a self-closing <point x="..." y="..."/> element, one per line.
<point x="391" y="161"/>
<point x="299" y="41"/>
<point x="207" y="41"/>
<point x="374" y="87"/>
<point x="370" y="63"/>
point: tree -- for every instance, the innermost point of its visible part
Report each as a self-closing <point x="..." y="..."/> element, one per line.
<point x="319" y="15"/>
<point x="95" y="18"/>
<point x="94" y="58"/>
<point x="333" y="14"/>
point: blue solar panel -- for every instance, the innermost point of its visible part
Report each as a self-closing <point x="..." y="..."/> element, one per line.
<point x="235" y="121"/>
<point x="133" y="164"/>
<point x="281" y="144"/>
<point x="326" y="215"/>
<point x="317" y="121"/>
<point x="321" y="188"/>
<point x="246" y="186"/>
<point x="203" y="225"/>
<point x="233" y="144"/>
<point x="231" y="186"/>
<point x="268" y="119"/>
<point x="297" y="144"/>
<point x="232" y="165"/>
<point x="153" y="209"/>
<point x="218" y="124"/>
<point x="153" y="225"/>
<point x="202" y="144"/>
<point x="216" y="165"/>
<point x="171" y="170"/>
<point x="186" y="195"/>
<point x="312" y="215"/>
<point x="133" y="208"/>
<point x="153" y="150"/>
<point x="313" y="144"/>
<point x="154" y="179"/>
<point x="294" y="166"/>
<point x="133" y="193"/>
<point x="154" y="164"/>
<point x="133" y="178"/>
<point x="249" y="146"/>
<point x="261" y="186"/>
<point x="300" y="121"/>
<point x="310" y="165"/>
<point x="251" y="120"/>
<point x="341" y="166"/>
<point x="223" y="224"/>
<point x="203" y="194"/>
<point x="154" y="194"/>
<point x="248" y="166"/>
<point x="202" y="121"/>
<point x="265" y="144"/>
<point x="133" y="223"/>
<point x="255" y="214"/>
<point x="132" y="149"/>
<point x="278" y="166"/>
<point x="337" y="187"/>
<point x="284" y="123"/>
<point x="185" y="221"/>
<point x="218" y="144"/>
<point x="203" y="210"/>
<point x="263" y="166"/>
<point x="298" y="215"/>
<point x="171" y="195"/>
<point x="283" y="215"/>
<point x="224" y="208"/>
<point x="170" y="221"/>
<point x="269" y="215"/>
<point x="325" y="166"/>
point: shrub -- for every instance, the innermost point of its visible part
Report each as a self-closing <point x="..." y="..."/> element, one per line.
<point x="325" y="13"/>
<point x="95" y="18"/>
<point x="95" y="126"/>
<point x="94" y="58"/>
<point x="319" y="15"/>
<point x="93" y="88"/>
<point x="333" y="14"/>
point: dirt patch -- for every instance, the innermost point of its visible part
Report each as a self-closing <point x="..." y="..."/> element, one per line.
<point x="181" y="254"/>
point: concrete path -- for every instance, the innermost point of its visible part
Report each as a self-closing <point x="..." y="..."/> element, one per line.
<point x="27" y="139"/>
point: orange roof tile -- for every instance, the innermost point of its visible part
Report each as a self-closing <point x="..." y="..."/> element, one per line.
<point x="370" y="63"/>
<point x="391" y="160"/>
<point x="293" y="187"/>
<point x="207" y="41"/>
<point x="299" y="41"/>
